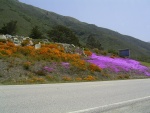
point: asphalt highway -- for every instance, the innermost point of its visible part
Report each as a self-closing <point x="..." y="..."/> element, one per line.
<point x="125" y="96"/>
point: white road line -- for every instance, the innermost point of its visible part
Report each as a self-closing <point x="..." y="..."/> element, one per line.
<point x="120" y="104"/>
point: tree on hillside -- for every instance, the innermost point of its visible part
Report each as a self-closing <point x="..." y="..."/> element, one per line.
<point x="63" y="34"/>
<point x="92" y="42"/>
<point x="35" y="33"/>
<point x="9" y="28"/>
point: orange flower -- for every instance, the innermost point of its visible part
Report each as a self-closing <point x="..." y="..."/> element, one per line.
<point x="10" y="44"/>
<point x="93" y="67"/>
<point x="66" y="78"/>
<point x="90" y="78"/>
<point x="88" y="53"/>
<point x="78" y="79"/>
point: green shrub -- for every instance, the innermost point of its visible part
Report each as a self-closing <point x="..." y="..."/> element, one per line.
<point x="3" y="40"/>
<point x="41" y="73"/>
<point x="126" y="76"/>
<point x="50" y="77"/>
<point x="27" y="65"/>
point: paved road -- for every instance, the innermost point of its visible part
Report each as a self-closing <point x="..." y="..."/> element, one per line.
<point x="87" y="97"/>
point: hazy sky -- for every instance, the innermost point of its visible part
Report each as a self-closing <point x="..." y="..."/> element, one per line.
<point x="128" y="17"/>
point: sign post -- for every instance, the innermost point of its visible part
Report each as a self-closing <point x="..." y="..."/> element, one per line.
<point x="124" y="53"/>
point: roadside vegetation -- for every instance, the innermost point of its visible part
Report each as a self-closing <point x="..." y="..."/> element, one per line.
<point x="51" y="64"/>
<point x="146" y="64"/>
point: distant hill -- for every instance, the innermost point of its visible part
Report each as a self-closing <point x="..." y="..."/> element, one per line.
<point x="28" y="16"/>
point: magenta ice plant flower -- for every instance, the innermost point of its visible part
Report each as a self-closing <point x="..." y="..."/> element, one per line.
<point x="48" y="69"/>
<point x="66" y="65"/>
<point x="119" y="64"/>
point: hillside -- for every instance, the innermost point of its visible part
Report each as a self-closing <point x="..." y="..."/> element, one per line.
<point x="28" y="16"/>
<point x="53" y="63"/>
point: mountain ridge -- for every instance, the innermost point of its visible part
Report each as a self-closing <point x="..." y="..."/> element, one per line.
<point x="29" y="16"/>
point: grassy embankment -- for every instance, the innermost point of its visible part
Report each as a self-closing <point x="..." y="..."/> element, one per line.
<point x="145" y="64"/>
<point x="51" y="64"/>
